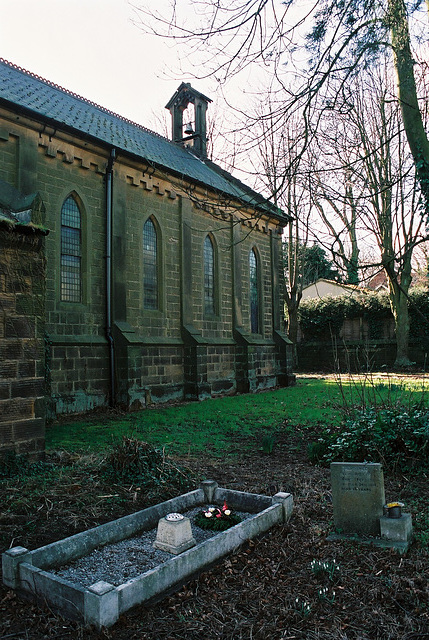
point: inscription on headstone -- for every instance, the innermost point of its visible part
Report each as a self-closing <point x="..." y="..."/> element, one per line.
<point x="357" y="497"/>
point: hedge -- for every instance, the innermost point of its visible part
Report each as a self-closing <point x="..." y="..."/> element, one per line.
<point x="322" y="318"/>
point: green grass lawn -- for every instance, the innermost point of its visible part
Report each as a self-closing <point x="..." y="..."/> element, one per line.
<point x="218" y="426"/>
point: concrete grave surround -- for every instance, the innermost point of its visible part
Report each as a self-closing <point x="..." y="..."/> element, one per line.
<point x="358" y="497"/>
<point x="102" y="603"/>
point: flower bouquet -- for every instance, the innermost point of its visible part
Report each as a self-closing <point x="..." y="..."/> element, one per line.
<point x="216" y="519"/>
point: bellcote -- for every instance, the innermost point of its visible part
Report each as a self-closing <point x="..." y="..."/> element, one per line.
<point x="193" y="132"/>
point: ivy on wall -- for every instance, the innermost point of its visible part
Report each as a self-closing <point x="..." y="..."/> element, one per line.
<point x="419" y="314"/>
<point x="321" y="319"/>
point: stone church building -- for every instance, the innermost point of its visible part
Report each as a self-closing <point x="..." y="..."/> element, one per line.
<point x="163" y="272"/>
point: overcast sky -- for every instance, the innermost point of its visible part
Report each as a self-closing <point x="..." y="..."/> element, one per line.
<point x="91" y="47"/>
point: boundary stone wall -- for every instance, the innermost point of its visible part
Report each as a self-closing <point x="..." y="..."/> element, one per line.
<point x="22" y="288"/>
<point x="353" y="356"/>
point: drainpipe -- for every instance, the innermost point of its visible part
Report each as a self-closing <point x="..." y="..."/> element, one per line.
<point x="111" y="345"/>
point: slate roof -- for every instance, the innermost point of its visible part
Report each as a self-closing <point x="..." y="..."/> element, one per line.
<point x="46" y="101"/>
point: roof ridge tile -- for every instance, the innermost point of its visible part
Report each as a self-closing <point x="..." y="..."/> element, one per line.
<point x="73" y="94"/>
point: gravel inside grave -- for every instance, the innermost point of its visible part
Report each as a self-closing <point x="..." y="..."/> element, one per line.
<point x="119" y="562"/>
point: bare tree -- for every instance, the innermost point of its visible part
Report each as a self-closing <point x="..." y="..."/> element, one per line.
<point x="277" y="174"/>
<point x="343" y="37"/>
<point x="296" y="200"/>
<point x="389" y="206"/>
<point x="336" y="193"/>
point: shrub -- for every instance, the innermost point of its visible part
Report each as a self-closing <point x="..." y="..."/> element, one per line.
<point x="398" y="437"/>
<point x="14" y="465"/>
<point x="419" y="315"/>
<point x="322" y="319"/>
<point x="134" y="462"/>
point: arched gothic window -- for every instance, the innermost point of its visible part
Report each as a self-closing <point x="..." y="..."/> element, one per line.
<point x="209" y="277"/>
<point x="254" y="292"/>
<point x="150" y="265"/>
<point x="71" y="252"/>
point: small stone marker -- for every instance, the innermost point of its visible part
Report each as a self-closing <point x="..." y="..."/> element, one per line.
<point x="174" y="534"/>
<point x="397" y="529"/>
<point x="358" y="497"/>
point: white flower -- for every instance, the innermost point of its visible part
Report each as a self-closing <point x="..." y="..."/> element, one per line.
<point x="227" y="512"/>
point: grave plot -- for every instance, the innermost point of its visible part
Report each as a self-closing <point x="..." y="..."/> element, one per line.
<point x="360" y="511"/>
<point x="39" y="574"/>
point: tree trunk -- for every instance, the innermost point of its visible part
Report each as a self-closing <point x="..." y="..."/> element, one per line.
<point x="407" y="93"/>
<point x="293" y="323"/>
<point x="292" y="304"/>
<point x="402" y="328"/>
<point x="398" y="294"/>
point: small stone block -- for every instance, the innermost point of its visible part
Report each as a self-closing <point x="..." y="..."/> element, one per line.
<point x="286" y="499"/>
<point x="11" y="559"/>
<point x="101" y="587"/>
<point x="101" y="604"/>
<point x="397" y="529"/>
<point x="174" y="536"/>
<point x="16" y="551"/>
<point x="209" y="487"/>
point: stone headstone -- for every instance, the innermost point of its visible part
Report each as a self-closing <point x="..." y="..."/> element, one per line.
<point x="357" y="497"/>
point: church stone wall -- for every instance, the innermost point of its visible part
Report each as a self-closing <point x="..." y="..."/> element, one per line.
<point x="79" y="371"/>
<point x="175" y="352"/>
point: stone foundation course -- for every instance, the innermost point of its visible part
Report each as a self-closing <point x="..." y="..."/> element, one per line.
<point x="31" y="573"/>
